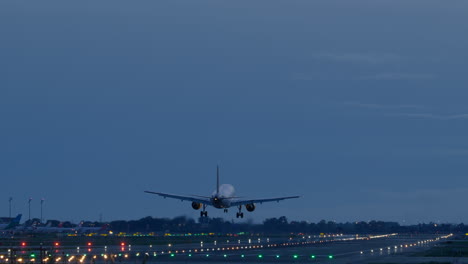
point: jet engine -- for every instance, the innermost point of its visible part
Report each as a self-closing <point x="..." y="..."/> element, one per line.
<point x="250" y="207"/>
<point x="196" y="205"/>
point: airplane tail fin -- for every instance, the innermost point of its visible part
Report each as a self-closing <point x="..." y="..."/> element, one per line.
<point x="17" y="218"/>
<point x="217" y="180"/>
<point x="14" y="222"/>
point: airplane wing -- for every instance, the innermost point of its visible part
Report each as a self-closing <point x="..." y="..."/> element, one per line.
<point x="198" y="199"/>
<point x="260" y="201"/>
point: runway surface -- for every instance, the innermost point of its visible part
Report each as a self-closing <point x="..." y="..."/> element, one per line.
<point x="330" y="249"/>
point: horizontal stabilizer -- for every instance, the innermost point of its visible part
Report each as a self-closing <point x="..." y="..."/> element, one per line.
<point x="198" y="199"/>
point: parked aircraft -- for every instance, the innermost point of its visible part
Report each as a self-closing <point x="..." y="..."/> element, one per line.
<point x="13" y="223"/>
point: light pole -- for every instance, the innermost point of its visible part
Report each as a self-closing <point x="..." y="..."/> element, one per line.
<point x="42" y="201"/>
<point x="29" y="203"/>
<point x="9" y="200"/>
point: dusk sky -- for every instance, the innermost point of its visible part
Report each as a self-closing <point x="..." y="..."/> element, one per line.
<point x="358" y="106"/>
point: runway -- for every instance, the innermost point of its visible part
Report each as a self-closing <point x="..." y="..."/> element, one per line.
<point x="330" y="249"/>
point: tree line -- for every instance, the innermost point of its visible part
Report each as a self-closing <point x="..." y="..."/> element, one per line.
<point x="278" y="225"/>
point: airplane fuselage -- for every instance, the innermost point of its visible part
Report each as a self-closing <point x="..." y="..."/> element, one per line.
<point x="222" y="197"/>
<point x="220" y="203"/>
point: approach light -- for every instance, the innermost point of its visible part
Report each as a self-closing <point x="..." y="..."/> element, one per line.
<point x="90" y="244"/>
<point x="57" y="244"/>
<point x="23" y="244"/>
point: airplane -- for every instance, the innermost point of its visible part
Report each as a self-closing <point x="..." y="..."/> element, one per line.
<point x="48" y="228"/>
<point x="222" y="198"/>
<point x="91" y="229"/>
<point x="13" y="223"/>
<point x="60" y="229"/>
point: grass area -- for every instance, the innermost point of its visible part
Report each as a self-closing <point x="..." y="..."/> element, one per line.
<point x="436" y="262"/>
<point x="49" y="240"/>
<point x="429" y="262"/>
<point x="448" y="249"/>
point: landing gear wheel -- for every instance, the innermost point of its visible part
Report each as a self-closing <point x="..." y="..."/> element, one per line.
<point x="204" y="212"/>
<point x="225" y="210"/>
<point x="240" y="214"/>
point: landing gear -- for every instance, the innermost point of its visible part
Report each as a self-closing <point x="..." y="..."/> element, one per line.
<point x="204" y="213"/>
<point x="225" y="210"/>
<point x="240" y="214"/>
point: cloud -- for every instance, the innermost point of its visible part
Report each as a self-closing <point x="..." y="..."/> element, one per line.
<point x="399" y="76"/>
<point x="425" y="194"/>
<point x="433" y="116"/>
<point x="453" y="152"/>
<point x="381" y="106"/>
<point x="306" y="77"/>
<point x="402" y="107"/>
<point x="368" y="58"/>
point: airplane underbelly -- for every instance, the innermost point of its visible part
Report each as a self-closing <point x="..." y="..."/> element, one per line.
<point x="220" y="204"/>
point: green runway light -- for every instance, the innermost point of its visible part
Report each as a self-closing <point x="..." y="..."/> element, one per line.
<point x="295" y="256"/>
<point x="33" y="255"/>
<point x="260" y="256"/>
<point x="207" y="255"/>
<point x="242" y="255"/>
<point x="172" y="255"/>
<point x="189" y="255"/>
<point x="277" y="256"/>
<point x="330" y="256"/>
<point x="225" y="255"/>
<point x="313" y="256"/>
